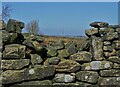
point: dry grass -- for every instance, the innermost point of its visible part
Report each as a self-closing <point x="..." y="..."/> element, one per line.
<point x="79" y="40"/>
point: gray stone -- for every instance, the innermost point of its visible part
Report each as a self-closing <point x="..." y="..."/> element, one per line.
<point x="14" y="64"/>
<point x="14" y="51"/>
<point x="51" y="52"/>
<point x="10" y="38"/>
<point x="111" y="36"/>
<point x="114" y="26"/>
<point x="54" y="60"/>
<point x="14" y="26"/>
<point x="107" y="43"/>
<point x="36" y="59"/>
<point x="108" y="48"/>
<point x="63" y="53"/>
<point x="35" y="83"/>
<point x="12" y="76"/>
<point x="97" y="24"/>
<point x="109" y="81"/>
<point x="112" y="72"/>
<point x="96" y="47"/>
<point x="97" y="65"/>
<point x="64" y="78"/>
<point x="116" y="44"/>
<point x="71" y="47"/>
<point x="116" y="66"/>
<point x="118" y="30"/>
<point x="93" y="31"/>
<point x="82" y="56"/>
<point x="67" y="66"/>
<point x="57" y="44"/>
<point x="104" y="31"/>
<point x="87" y="76"/>
<point x="109" y="54"/>
<point x="114" y="59"/>
<point x="34" y="45"/>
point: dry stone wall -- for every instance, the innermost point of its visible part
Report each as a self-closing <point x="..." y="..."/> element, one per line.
<point x="28" y="61"/>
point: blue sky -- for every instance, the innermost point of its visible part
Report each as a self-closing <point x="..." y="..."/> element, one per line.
<point x="65" y="18"/>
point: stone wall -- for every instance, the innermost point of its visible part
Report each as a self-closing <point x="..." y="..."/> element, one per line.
<point x="27" y="60"/>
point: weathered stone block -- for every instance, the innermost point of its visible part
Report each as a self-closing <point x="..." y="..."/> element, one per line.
<point x="51" y="52"/>
<point x="67" y="66"/>
<point x="54" y="60"/>
<point x="107" y="43"/>
<point x="64" y="78"/>
<point x="14" y="26"/>
<point x="71" y="47"/>
<point x="116" y="66"/>
<point x="97" y="24"/>
<point x="108" y="48"/>
<point x="12" y="76"/>
<point x="36" y="59"/>
<point x="104" y="31"/>
<point x="118" y="30"/>
<point x="63" y="53"/>
<point x="87" y="76"/>
<point x="109" y="54"/>
<point x="109" y="81"/>
<point x="116" y="44"/>
<point x="82" y="56"/>
<point x="96" y="47"/>
<point x="97" y="65"/>
<point x="35" y="83"/>
<point x="112" y="72"/>
<point x="14" y="51"/>
<point x="93" y="31"/>
<point x="111" y="36"/>
<point x="14" y="64"/>
<point x="57" y="44"/>
<point x="114" y="59"/>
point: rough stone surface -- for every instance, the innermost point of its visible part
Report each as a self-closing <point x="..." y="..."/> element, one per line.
<point x="114" y="59"/>
<point x="87" y="76"/>
<point x="112" y="72"/>
<point x="67" y="66"/>
<point x="14" y="26"/>
<point x="63" y="53"/>
<point x="97" y="65"/>
<point x="116" y="44"/>
<point x="15" y="51"/>
<point x="51" y="52"/>
<point x="14" y="64"/>
<point x="36" y="59"/>
<point x="99" y="24"/>
<point x="54" y="60"/>
<point x="97" y="50"/>
<point x="116" y="66"/>
<point x="64" y="78"/>
<point x="57" y="44"/>
<point x="35" y="83"/>
<point x="11" y="76"/>
<point x="114" y="81"/>
<point x="82" y="56"/>
<point x="108" y="48"/>
<point x="93" y="31"/>
<point x="107" y="43"/>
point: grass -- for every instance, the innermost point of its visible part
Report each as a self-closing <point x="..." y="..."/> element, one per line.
<point x="79" y="40"/>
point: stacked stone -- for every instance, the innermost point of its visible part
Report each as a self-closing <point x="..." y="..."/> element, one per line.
<point x="105" y="48"/>
<point x="28" y="60"/>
